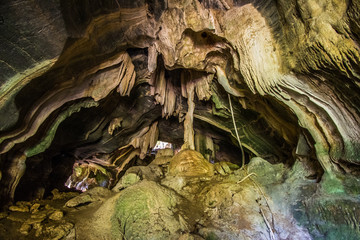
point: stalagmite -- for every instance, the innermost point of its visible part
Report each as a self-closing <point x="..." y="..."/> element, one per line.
<point x="15" y="172"/>
<point x="189" y="118"/>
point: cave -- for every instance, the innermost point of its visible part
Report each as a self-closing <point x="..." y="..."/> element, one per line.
<point x="189" y="120"/>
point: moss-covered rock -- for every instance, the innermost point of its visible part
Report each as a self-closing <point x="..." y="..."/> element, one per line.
<point x="146" y="211"/>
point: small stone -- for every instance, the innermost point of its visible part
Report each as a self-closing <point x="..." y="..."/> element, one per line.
<point x="25" y="229"/>
<point x="16" y="217"/>
<point x="35" y="208"/>
<point x="3" y="215"/>
<point x="57" y="215"/>
<point x="15" y="208"/>
<point x="38" y="227"/>
<point x="41" y="214"/>
<point x="59" y="231"/>
<point x="63" y="195"/>
<point x="56" y="194"/>
<point x="48" y="207"/>
<point x="23" y="203"/>
<point x="92" y="195"/>
<point x="34" y="220"/>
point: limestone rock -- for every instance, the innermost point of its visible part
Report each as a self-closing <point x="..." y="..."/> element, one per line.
<point x="224" y="168"/>
<point x="25" y="228"/>
<point x="92" y="195"/>
<point x="63" y="195"/>
<point x="17" y="217"/>
<point x="3" y="215"/>
<point x="167" y="152"/>
<point x="266" y="173"/>
<point x="126" y="181"/>
<point x="59" y="231"/>
<point x="161" y="160"/>
<point x="56" y="215"/>
<point x="35" y="207"/>
<point x="99" y="82"/>
<point x="163" y="156"/>
<point x="21" y="208"/>
<point x="137" y="173"/>
<point x="189" y="163"/>
<point x="135" y="210"/>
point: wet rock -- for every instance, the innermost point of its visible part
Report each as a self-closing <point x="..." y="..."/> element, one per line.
<point x="57" y="215"/>
<point x="92" y="195"/>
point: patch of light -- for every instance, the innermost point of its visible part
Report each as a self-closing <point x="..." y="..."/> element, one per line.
<point x="162" y="145"/>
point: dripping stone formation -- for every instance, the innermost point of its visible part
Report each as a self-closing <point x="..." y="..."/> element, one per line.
<point x="194" y="119"/>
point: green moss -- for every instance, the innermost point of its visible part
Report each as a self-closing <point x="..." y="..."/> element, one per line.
<point x="218" y="108"/>
<point x="46" y="141"/>
<point x="143" y="211"/>
<point x="212" y="236"/>
<point x="330" y="184"/>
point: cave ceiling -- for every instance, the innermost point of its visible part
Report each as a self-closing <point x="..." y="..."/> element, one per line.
<point x="102" y="81"/>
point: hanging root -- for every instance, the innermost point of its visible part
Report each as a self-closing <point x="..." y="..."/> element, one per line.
<point x="237" y="134"/>
<point x="272" y="236"/>
<point x="247" y="176"/>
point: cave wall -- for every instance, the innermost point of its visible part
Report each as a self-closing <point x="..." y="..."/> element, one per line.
<point x="93" y="79"/>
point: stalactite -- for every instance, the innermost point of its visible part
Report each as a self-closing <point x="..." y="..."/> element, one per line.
<point x="203" y="86"/>
<point x="145" y="139"/>
<point x="170" y="102"/>
<point x="126" y="75"/>
<point x="159" y="91"/>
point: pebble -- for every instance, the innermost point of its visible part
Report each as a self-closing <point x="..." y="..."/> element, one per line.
<point x="3" y="215"/>
<point x="57" y="215"/>
<point x="35" y="207"/>
<point x="25" y="229"/>
<point x="19" y="208"/>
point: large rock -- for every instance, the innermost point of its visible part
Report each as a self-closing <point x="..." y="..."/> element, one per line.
<point x="189" y="163"/>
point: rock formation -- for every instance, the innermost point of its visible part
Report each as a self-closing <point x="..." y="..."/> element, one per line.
<point x="87" y="88"/>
